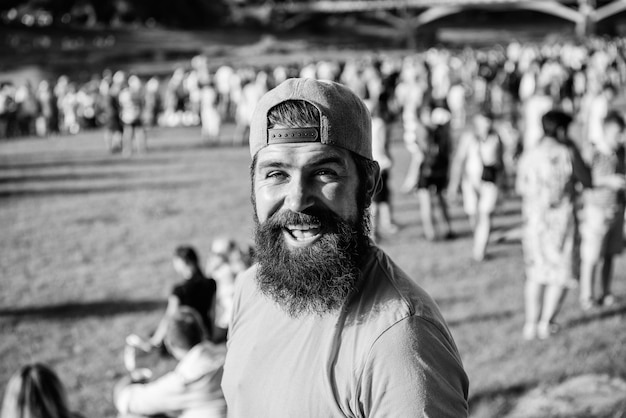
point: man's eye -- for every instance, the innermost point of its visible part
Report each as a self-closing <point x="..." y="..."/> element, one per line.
<point x="325" y="172"/>
<point x="277" y="175"/>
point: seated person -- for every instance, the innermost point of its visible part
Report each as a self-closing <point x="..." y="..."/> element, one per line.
<point x="225" y="261"/>
<point x="35" y="391"/>
<point x="193" y="388"/>
<point x="196" y="291"/>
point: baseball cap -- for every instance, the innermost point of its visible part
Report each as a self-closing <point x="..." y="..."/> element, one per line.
<point x="344" y="119"/>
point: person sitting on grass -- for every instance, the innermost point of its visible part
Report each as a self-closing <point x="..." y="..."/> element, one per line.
<point x="603" y="221"/>
<point x="192" y="389"/>
<point x="196" y="291"/>
<point x="225" y="261"/>
<point x="35" y="390"/>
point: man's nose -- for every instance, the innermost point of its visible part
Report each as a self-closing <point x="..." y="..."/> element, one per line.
<point x="299" y="196"/>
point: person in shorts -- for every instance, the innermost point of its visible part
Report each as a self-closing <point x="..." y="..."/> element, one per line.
<point x="434" y="153"/>
<point x="478" y="168"/>
<point x="603" y="213"/>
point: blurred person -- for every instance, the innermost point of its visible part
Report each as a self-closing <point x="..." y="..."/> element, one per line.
<point x="191" y="86"/>
<point x="195" y="290"/>
<point x="225" y="262"/>
<point x="48" y="120"/>
<point x="381" y="208"/>
<point x="324" y="315"/>
<point x="28" y="109"/>
<point x="222" y="78"/>
<point x="110" y="114"/>
<point x="175" y="100"/>
<point x="192" y="389"/>
<point x="152" y="105"/>
<point x="68" y="104"/>
<point x="210" y="117"/>
<point x="410" y="94"/>
<point x="456" y="100"/>
<point x="603" y="213"/>
<point x="60" y="90"/>
<point x="547" y="179"/>
<point x="351" y="76"/>
<point x="597" y="110"/>
<point x="131" y="100"/>
<point x="528" y="80"/>
<point x="251" y="92"/>
<point x="86" y="99"/>
<point x="533" y="110"/>
<point x="478" y="167"/>
<point x="433" y="152"/>
<point x="8" y="109"/>
<point x="35" y="390"/>
<point x="279" y="74"/>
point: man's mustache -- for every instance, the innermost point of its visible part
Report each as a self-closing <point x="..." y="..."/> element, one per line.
<point x="314" y="216"/>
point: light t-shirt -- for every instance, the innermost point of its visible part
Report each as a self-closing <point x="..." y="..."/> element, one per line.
<point x="388" y="353"/>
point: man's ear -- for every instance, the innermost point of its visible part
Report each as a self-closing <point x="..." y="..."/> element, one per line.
<point x="373" y="182"/>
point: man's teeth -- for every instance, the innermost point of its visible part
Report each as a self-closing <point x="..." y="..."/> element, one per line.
<point x="303" y="231"/>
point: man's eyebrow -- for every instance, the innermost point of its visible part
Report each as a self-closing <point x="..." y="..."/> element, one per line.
<point x="333" y="159"/>
<point x="272" y="164"/>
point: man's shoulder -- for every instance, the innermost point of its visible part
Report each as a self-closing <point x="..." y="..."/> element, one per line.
<point x="245" y="284"/>
<point x="392" y="296"/>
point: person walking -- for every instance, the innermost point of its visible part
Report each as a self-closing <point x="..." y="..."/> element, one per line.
<point x="547" y="178"/>
<point x="603" y="213"/>
<point x="478" y="168"/>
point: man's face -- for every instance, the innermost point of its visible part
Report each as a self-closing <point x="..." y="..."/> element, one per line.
<point x="305" y="178"/>
<point x="311" y="226"/>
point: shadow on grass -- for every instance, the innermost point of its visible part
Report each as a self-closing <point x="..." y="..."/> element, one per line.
<point x="588" y="318"/>
<point x="88" y="162"/>
<point x="117" y="188"/>
<point x="452" y="300"/>
<point x="63" y="177"/>
<point x="496" y="402"/>
<point x="482" y="317"/>
<point x="77" y="309"/>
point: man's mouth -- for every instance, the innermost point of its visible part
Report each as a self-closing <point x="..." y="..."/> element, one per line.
<point x="302" y="235"/>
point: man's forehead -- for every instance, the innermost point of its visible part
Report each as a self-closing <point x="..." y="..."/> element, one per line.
<point x="303" y="153"/>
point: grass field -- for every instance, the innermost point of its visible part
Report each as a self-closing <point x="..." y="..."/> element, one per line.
<point x="85" y="254"/>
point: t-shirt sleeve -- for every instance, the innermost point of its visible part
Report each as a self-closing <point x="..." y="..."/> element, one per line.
<point x="414" y="370"/>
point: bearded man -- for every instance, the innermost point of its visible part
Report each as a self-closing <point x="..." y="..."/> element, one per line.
<point x="325" y="324"/>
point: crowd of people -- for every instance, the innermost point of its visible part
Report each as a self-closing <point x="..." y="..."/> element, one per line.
<point x="488" y="123"/>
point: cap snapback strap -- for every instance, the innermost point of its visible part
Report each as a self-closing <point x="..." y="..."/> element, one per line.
<point x="286" y="135"/>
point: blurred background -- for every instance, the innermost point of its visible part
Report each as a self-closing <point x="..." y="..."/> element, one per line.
<point x="79" y="37"/>
<point x="123" y="126"/>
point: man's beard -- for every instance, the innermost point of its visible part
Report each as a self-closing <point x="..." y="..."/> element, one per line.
<point x="317" y="278"/>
